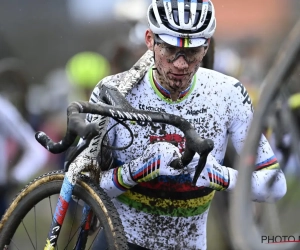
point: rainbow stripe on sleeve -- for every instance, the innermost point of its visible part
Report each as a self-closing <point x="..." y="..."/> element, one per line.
<point x="270" y="163"/>
<point x="217" y="181"/>
<point x="118" y="179"/>
<point x="149" y="171"/>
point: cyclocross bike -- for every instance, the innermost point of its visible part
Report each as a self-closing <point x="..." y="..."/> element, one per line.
<point x="271" y="223"/>
<point x="77" y="189"/>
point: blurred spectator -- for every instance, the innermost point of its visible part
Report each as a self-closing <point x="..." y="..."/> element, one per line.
<point x="16" y="137"/>
<point x="48" y="102"/>
<point x="253" y="59"/>
<point x="127" y="52"/>
<point x="281" y="135"/>
<point x="14" y="83"/>
<point x="123" y="58"/>
<point x="284" y="138"/>
<point x="85" y="70"/>
<point x="228" y="61"/>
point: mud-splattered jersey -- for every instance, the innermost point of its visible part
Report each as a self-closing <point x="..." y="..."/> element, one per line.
<point x="168" y="212"/>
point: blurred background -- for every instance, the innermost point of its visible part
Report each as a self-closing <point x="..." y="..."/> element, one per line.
<point x="39" y="38"/>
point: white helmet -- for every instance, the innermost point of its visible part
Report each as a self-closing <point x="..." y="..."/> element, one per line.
<point x="182" y="23"/>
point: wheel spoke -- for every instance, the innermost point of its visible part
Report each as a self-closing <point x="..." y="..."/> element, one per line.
<point x="32" y="213"/>
<point x="28" y="234"/>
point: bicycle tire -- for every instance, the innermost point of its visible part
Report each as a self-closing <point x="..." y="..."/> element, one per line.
<point x="50" y="184"/>
<point x="245" y="233"/>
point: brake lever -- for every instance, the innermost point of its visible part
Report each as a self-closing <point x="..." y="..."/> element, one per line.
<point x="177" y="164"/>
<point x="200" y="167"/>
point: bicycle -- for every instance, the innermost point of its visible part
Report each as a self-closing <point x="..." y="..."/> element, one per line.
<point x="247" y="227"/>
<point x="83" y="187"/>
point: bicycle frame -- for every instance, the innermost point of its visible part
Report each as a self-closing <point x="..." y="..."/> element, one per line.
<point x="65" y="196"/>
<point x="118" y="108"/>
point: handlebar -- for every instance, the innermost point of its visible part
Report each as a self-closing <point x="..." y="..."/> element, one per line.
<point x="113" y="104"/>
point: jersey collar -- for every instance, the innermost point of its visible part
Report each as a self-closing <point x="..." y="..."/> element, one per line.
<point x="165" y="94"/>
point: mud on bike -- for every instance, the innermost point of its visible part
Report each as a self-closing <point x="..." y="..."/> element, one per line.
<point x="70" y="201"/>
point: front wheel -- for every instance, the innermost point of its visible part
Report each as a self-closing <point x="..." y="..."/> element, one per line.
<point x="26" y="223"/>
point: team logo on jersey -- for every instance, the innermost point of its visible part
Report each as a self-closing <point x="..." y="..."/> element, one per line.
<point x="196" y="112"/>
<point x="149" y="108"/>
<point x="244" y="92"/>
<point x="175" y="139"/>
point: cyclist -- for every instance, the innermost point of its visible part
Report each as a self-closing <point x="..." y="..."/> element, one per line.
<point x="158" y="205"/>
<point x="32" y="159"/>
<point x="281" y="139"/>
<point x="294" y="103"/>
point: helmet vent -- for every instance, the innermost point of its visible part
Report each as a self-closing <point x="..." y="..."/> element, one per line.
<point x="165" y="17"/>
<point x="165" y="21"/>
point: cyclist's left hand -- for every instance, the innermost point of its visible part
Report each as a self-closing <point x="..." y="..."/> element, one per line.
<point x="213" y="175"/>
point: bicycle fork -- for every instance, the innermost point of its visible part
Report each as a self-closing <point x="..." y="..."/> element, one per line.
<point x="61" y="209"/>
<point x="85" y="227"/>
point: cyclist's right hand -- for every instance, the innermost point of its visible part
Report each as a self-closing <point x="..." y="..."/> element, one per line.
<point x="154" y="161"/>
<point x="214" y="175"/>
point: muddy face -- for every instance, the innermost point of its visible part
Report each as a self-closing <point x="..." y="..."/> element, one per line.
<point x="176" y="68"/>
